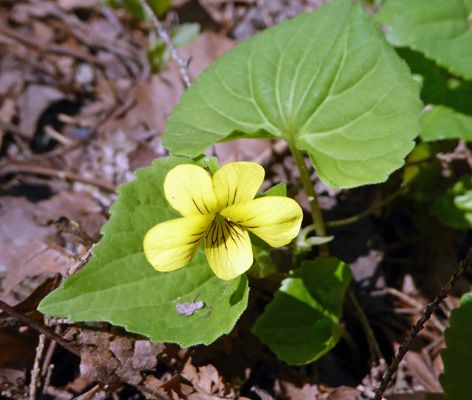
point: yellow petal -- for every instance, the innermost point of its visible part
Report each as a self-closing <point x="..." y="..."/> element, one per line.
<point x="228" y="249"/>
<point x="189" y="190"/>
<point x="237" y="182"/>
<point x="172" y="244"/>
<point x="276" y="220"/>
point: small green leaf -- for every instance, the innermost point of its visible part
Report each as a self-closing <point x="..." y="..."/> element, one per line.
<point x="457" y="378"/>
<point x="443" y="123"/>
<point x="438" y="28"/>
<point x="326" y="81"/>
<point x="302" y="322"/>
<point x="119" y="286"/>
<point x="454" y="208"/>
<point x="158" y="53"/>
<point x="134" y="7"/>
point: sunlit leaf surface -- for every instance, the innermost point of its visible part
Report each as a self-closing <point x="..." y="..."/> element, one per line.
<point x="121" y="287"/>
<point x="326" y="81"/>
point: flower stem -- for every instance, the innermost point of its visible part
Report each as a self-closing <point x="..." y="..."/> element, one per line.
<point x="312" y="198"/>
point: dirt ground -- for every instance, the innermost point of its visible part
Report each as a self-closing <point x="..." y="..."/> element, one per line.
<point x="80" y="110"/>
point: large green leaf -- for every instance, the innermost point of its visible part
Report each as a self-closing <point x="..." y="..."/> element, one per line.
<point x="327" y="82"/>
<point x="438" y="28"/>
<point x="302" y="322"/>
<point x="457" y="378"/>
<point x="454" y="207"/>
<point x="121" y="287"/>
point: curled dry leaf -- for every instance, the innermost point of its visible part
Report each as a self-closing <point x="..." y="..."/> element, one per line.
<point x="207" y="383"/>
<point x="107" y="357"/>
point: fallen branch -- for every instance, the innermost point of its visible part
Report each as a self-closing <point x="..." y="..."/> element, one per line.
<point x="39" y="328"/>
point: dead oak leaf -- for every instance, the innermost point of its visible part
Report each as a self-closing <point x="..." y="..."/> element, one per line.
<point x="207" y="382"/>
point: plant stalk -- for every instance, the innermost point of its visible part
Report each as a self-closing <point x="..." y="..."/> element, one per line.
<point x="312" y="198"/>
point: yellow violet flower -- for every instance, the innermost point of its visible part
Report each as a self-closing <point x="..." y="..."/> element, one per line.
<point x="221" y="209"/>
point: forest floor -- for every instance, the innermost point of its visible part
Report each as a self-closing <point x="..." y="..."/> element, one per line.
<point x="80" y="111"/>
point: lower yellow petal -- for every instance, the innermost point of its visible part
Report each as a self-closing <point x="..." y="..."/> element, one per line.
<point x="228" y="249"/>
<point x="276" y="220"/>
<point x="172" y="244"/>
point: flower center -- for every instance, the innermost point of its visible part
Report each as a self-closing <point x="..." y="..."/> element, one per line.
<point x="221" y="230"/>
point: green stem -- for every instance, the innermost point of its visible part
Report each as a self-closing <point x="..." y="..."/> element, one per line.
<point x="366" y="213"/>
<point x="374" y="347"/>
<point x="316" y="215"/>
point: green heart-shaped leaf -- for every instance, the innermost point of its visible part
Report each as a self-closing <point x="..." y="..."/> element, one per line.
<point x="327" y="82"/>
<point x="302" y="322"/>
<point x="119" y="286"/>
<point x="438" y="28"/>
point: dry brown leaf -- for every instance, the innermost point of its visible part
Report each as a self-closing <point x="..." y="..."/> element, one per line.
<point x="293" y="392"/>
<point x="207" y="48"/>
<point x="72" y="5"/>
<point x="241" y="150"/>
<point x="107" y="357"/>
<point x="420" y="367"/>
<point x="343" y="393"/>
<point x="25" y="247"/>
<point x="154" y="103"/>
<point x="207" y="382"/>
<point x="78" y="207"/>
<point x="33" y="102"/>
<point x="42" y="31"/>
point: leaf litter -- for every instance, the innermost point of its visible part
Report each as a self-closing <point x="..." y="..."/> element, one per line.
<point x="77" y="99"/>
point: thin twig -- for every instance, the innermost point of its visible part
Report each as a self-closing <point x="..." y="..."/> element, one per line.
<point x="39" y="328"/>
<point x="47" y="379"/>
<point x="183" y="64"/>
<point x="36" y="369"/>
<point x="371" y="210"/>
<point x="430" y="309"/>
<point x="8" y="127"/>
<point x="68" y="176"/>
<point x="79" y="264"/>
